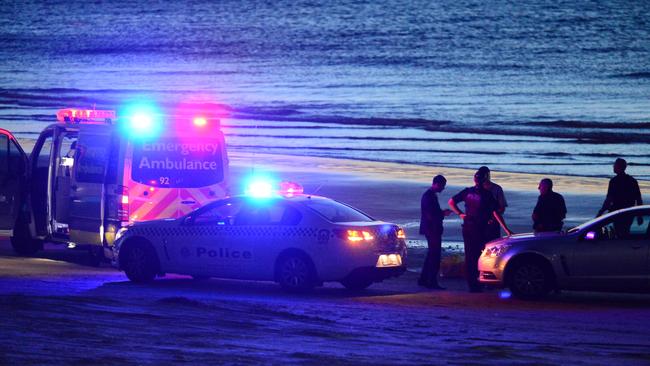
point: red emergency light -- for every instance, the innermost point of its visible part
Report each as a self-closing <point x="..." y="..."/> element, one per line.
<point x="200" y="121"/>
<point x="290" y="189"/>
<point x="75" y="115"/>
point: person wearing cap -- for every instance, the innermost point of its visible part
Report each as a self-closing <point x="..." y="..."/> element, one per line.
<point x="550" y="211"/>
<point x="494" y="229"/>
<point x="480" y="207"/>
<point x="623" y="192"/>
<point x="431" y="227"/>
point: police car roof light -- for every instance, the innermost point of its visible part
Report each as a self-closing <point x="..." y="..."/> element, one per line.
<point x="290" y="189"/>
<point x="89" y="116"/>
<point x="260" y="189"/>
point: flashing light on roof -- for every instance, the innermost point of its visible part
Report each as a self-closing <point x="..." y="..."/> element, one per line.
<point x="290" y="189"/>
<point x="140" y="121"/>
<point x="200" y="122"/>
<point x="260" y="188"/>
<point x="79" y="115"/>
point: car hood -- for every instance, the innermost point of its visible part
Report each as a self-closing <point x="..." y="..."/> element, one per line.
<point x="527" y="237"/>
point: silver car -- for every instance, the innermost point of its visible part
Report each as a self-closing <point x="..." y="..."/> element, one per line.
<point x="608" y="253"/>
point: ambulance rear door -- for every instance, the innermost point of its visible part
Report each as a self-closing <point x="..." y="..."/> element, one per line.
<point x="13" y="167"/>
<point x="87" y="191"/>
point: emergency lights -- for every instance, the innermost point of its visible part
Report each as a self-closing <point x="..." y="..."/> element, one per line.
<point x="264" y="187"/>
<point x="200" y="122"/>
<point x="260" y="188"/>
<point x="78" y="115"/>
<point x="140" y="121"/>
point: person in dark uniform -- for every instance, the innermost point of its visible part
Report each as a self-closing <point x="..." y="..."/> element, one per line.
<point x="623" y="191"/>
<point x="494" y="229"/>
<point x="550" y="211"/>
<point x="431" y="227"/>
<point x="480" y="207"/>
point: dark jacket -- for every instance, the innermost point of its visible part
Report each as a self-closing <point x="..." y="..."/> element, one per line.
<point x="623" y="191"/>
<point x="550" y="212"/>
<point x="431" y="215"/>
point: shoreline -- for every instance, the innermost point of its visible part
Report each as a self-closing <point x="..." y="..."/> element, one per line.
<point x="422" y="174"/>
<point x="416" y="173"/>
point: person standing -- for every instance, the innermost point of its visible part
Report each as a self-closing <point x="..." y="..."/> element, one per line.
<point x="494" y="229"/>
<point x="480" y="207"/>
<point x="550" y="211"/>
<point x="431" y="227"/>
<point x="623" y="190"/>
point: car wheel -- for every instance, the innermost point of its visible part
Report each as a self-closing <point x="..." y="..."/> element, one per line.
<point x="139" y="263"/>
<point x="22" y="241"/>
<point x="356" y="283"/>
<point x="295" y="273"/>
<point x="530" y="280"/>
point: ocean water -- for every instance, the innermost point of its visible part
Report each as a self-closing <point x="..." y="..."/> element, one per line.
<point x="529" y="86"/>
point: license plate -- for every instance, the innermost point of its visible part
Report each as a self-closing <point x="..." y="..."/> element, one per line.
<point x="389" y="260"/>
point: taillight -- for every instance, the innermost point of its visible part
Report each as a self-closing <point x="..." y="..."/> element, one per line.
<point x="401" y="234"/>
<point x="355" y="236"/>
<point x="123" y="210"/>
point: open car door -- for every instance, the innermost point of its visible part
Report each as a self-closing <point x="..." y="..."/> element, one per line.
<point x="13" y="168"/>
<point x="87" y="194"/>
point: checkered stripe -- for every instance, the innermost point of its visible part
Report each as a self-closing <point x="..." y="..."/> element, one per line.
<point x="227" y="231"/>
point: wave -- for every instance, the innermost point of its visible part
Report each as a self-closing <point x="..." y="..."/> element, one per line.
<point x="633" y="75"/>
<point x="590" y="132"/>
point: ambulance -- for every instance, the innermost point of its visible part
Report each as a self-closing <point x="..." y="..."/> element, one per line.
<point x="93" y="173"/>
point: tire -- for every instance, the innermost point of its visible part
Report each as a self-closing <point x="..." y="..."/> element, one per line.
<point x="22" y="241"/>
<point x="530" y="280"/>
<point x="296" y="273"/>
<point x="356" y="283"/>
<point x="140" y="263"/>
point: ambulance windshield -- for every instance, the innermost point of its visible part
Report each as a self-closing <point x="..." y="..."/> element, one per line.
<point x="177" y="163"/>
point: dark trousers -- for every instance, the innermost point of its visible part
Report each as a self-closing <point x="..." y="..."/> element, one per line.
<point x="474" y="238"/>
<point x="493" y="230"/>
<point x="431" y="266"/>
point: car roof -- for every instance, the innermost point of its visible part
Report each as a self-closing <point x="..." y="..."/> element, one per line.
<point x="608" y="215"/>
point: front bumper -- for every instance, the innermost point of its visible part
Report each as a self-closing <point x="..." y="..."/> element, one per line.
<point x="491" y="271"/>
<point x="377" y="274"/>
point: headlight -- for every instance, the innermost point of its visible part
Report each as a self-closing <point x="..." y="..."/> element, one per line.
<point x="496" y="250"/>
<point x="120" y="233"/>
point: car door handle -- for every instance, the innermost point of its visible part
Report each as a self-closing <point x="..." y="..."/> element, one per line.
<point x="188" y="202"/>
<point x="638" y="246"/>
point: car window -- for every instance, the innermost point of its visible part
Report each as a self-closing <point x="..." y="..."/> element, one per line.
<point x="268" y="213"/>
<point x="624" y="227"/>
<point x="335" y="211"/>
<point x="640" y="227"/>
<point x="219" y="214"/>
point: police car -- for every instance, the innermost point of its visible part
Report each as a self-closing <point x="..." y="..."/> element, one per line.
<point x="608" y="253"/>
<point x="297" y="240"/>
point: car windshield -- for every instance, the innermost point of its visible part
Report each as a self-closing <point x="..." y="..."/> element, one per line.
<point x="335" y="211"/>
